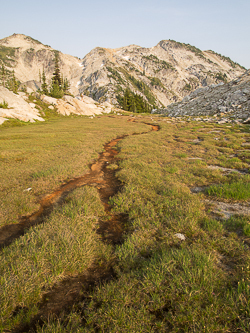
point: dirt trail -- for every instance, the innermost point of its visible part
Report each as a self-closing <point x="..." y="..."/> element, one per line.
<point x="98" y="176"/>
<point x="75" y="289"/>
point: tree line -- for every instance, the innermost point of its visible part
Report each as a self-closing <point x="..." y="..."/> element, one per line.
<point x="133" y="102"/>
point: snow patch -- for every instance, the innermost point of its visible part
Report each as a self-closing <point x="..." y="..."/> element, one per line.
<point x="80" y="64"/>
<point x="126" y="57"/>
<point x="102" y="65"/>
<point x="78" y="83"/>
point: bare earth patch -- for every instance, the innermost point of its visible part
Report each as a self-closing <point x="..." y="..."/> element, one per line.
<point x="225" y="210"/>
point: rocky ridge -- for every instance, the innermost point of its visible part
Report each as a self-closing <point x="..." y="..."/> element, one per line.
<point x="162" y="74"/>
<point x="230" y="102"/>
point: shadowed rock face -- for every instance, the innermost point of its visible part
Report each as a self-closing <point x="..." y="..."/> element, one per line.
<point x="231" y="100"/>
<point x="169" y="70"/>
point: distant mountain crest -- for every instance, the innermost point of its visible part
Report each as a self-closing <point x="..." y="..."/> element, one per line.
<point x="132" y="77"/>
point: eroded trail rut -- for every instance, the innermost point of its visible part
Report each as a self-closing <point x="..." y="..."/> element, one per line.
<point x="98" y="176"/>
<point x="75" y="289"/>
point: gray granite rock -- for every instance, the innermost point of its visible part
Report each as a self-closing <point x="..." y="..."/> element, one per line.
<point x="230" y="100"/>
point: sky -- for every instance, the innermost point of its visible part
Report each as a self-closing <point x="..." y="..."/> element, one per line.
<point x="77" y="26"/>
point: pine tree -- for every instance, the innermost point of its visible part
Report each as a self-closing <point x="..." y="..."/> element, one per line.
<point x="3" y="75"/>
<point x="56" y="89"/>
<point x="13" y="83"/>
<point x="57" y="75"/>
<point x="66" y="86"/>
<point x="44" y="84"/>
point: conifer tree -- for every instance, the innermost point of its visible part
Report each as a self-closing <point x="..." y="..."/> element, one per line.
<point x="3" y="75"/>
<point x="13" y="83"/>
<point x="57" y="75"/>
<point x="56" y="89"/>
<point x="44" y="84"/>
<point x="66" y="86"/>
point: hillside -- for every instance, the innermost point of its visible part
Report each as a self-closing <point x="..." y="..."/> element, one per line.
<point x="162" y="74"/>
<point x="148" y="77"/>
<point x="28" y="57"/>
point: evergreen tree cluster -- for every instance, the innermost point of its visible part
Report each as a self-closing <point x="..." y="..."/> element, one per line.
<point x="59" y="86"/>
<point x="133" y="102"/>
<point x="9" y="80"/>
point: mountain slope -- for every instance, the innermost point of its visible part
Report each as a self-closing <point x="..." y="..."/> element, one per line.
<point x="28" y="57"/>
<point x="162" y="74"/>
<point x="132" y="77"/>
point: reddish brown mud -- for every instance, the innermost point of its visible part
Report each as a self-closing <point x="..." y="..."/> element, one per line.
<point x="64" y="295"/>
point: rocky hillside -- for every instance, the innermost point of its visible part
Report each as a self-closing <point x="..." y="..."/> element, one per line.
<point x="148" y="77"/>
<point x="162" y="74"/>
<point x="230" y="100"/>
<point x="28" y="57"/>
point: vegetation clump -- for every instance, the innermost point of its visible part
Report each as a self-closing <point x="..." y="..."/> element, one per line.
<point x="8" y="79"/>
<point x="237" y="190"/>
<point x="7" y="55"/>
<point x="4" y="105"/>
<point x="115" y="75"/>
<point x="133" y="102"/>
<point x="162" y="64"/>
<point x="155" y="81"/>
<point x="59" y="86"/>
<point x="227" y="59"/>
<point x="221" y="77"/>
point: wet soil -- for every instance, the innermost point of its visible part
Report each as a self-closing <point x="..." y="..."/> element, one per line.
<point x="64" y="295"/>
<point x="98" y="176"/>
<point x="75" y="289"/>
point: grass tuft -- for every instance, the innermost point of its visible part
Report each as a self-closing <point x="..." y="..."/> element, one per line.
<point x="238" y="190"/>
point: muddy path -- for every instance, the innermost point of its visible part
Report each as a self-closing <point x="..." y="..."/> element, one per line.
<point x="98" y="176"/>
<point x="72" y="291"/>
<point x="75" y="289"/>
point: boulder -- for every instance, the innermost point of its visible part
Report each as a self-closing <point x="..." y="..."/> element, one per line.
<point x="49" y="100"/>
<point x="17" y="107"/>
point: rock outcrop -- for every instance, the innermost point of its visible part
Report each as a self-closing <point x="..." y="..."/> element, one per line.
<point x="20" y="108"/>
<point x="17" y="107"/>
<point x="230" y="100"/>
<point x="83" y="105"/>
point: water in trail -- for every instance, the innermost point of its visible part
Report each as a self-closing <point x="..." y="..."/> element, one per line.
<point x="75" y="289"/>
<point x="98" y="176"/>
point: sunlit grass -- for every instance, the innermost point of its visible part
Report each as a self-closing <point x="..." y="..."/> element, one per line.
<point x="239" y="190"/>
<point x="160" y="284"/>
<point x="65" y="244"/>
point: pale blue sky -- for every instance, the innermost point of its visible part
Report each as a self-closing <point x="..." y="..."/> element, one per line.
<point x="77" y="26"/>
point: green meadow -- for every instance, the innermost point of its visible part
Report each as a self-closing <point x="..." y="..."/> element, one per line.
<point x="158" y="282"/>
